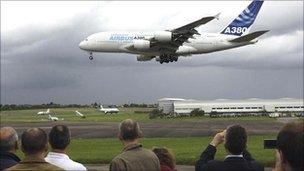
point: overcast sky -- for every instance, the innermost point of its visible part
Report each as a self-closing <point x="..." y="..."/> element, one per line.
<point x="41" y="61"/>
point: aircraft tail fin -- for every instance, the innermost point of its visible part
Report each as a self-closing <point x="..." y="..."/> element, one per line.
<point x="249" y="37"/>
<point x="101" y="107"/>
<point x="243" y="22"/>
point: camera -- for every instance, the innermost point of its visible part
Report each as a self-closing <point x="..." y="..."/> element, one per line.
<point x="270" y="144"/>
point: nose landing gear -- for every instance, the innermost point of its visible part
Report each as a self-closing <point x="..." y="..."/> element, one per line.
<point x="91" y="56"/>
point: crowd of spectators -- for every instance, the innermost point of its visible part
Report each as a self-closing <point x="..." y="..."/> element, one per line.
<point x="37" y="155"/>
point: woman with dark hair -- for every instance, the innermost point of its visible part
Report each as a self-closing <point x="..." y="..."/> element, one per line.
<point x="166" y="159"/>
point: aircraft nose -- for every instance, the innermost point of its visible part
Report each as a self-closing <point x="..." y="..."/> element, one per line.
<point x="82" y="45"/>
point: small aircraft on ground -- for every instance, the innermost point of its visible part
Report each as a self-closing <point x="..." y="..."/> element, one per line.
<point x="80" y="114"/>
<point x="109" y="110"/>
<point x="44" y="112"/>
<point x="53" y="118"/>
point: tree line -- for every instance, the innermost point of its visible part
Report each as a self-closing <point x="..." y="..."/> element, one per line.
<point x="5" y="107"/>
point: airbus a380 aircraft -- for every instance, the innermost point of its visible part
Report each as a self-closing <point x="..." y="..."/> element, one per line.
<point x="166" y="46"/>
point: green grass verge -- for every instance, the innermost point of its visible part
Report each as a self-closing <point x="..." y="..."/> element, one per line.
<point x="186" y="150"/>
<point x="94" y="115"/>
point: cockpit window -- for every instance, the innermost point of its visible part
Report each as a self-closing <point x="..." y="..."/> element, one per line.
<point x="86" y="39"/>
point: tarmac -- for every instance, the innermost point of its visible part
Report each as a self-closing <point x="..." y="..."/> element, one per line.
<point x="158" y="129"/>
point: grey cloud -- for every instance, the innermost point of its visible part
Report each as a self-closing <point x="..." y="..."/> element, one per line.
<point x="48" y="66"/>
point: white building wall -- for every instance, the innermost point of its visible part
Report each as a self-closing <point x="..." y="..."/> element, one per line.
<point x="167" y="104"/>
<point x="232" y="106"/>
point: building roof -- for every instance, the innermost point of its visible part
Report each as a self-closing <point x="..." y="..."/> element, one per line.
<point x="251" y="100"/>
<point x="171" y="99"/>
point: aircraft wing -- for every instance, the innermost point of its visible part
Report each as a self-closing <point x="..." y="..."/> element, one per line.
<point x="179" y="36"/>
<point x="182" y="34"/>
<point x="194" y="24"/>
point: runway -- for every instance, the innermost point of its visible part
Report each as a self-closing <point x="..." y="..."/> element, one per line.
<point x="159" y="129"/>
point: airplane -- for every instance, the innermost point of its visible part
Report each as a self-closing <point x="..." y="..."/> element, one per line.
<point x="109" y="110"/>
<point x="167" y="46"/>
<point x="44" y="112"/>
<point x="53" y="118"/>
<point x="79" y="114"/>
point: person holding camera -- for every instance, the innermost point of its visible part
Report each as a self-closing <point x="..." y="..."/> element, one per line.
<point x="238" y="158"/>
<point x="290" y="148"/>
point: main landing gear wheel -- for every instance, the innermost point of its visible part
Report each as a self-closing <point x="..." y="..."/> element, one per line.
<point x="91" y="56"/>
<point x="167" y="58"/>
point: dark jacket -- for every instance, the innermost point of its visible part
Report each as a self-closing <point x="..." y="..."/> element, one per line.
<point x="8" y="160"/>
<point x="207" y="162"/>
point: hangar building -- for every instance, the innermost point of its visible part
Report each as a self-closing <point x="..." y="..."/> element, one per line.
<point x="254" y="105"/>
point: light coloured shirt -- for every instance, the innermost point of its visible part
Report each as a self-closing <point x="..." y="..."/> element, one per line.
<point x="231" y="155"/>
<point x="63" y="161"/>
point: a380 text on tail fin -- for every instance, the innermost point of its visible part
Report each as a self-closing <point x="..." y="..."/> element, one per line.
<point x="242" y="23"/>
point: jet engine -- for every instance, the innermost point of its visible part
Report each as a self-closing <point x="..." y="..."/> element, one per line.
<point x="144" y="57"/>
<point x="163" y="36"/>
<point x="142" y="44"/>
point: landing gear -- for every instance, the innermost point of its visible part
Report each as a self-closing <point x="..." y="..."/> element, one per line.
<point x="167" y="58"/>
<point x="91" y="56"/>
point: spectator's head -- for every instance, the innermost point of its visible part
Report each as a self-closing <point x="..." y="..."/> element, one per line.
<point x="59" y="137"/>
<point x="290" y="146"/>
<point x="235" y="139"/>
<point x="129" y="130"/>
<point x="8" y="139"/>
<point x="165" y="157"/>
<point x="34" y="141"/>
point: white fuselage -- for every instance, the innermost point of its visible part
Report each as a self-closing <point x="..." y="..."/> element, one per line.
<point x="44" y="112"/>
<point x="53" y="118"/>
<point x="79" y="114"/>
<point x="109" y="110"/>
<point x="117" y="42"/>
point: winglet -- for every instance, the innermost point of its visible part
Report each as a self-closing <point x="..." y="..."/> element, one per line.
<point x="217" y="16"/>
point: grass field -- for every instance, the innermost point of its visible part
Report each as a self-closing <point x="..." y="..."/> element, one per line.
<point x="93" y="115"/>
<point x="186" y="150"/>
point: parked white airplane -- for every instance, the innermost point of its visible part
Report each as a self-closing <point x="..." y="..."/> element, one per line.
<point x="44" y="112"/>
<point x="109" y="110"/>
<point x="79" y="114"/>
<point x="53" y="118"/>
<point x="167" y="46"/>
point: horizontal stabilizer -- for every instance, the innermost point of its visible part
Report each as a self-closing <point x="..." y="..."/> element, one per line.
<point x="249" y="37"/>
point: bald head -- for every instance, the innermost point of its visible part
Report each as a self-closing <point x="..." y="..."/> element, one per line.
<point x="33" y="140"/>
<point x="129" y="130"/>
<point x="8" y="139"/>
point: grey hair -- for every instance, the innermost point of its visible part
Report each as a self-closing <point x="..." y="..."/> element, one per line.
<point x="8" y="137"/>
<point x="129" y="129"/>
